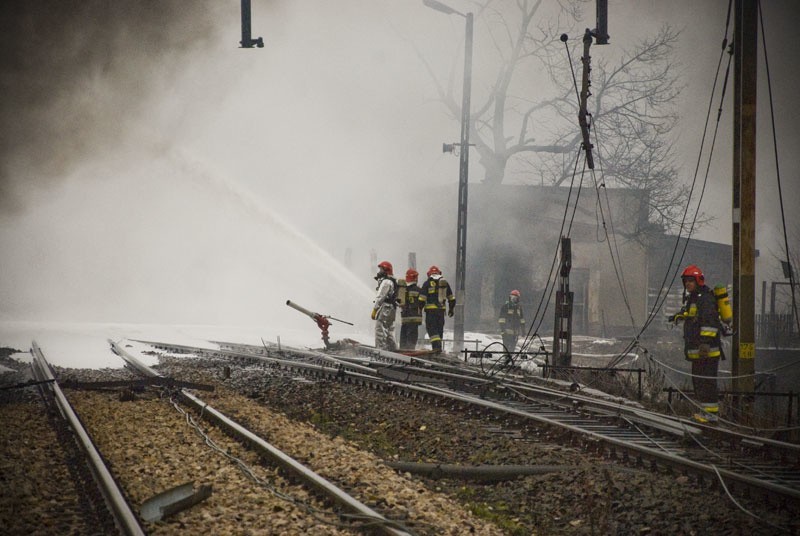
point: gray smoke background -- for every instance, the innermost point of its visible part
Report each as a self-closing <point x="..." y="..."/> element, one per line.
<point x="152" y="171"/>
<point x="76" y="73"/>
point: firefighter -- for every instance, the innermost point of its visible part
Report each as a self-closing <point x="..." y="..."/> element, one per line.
<point x="702" y="344"/>
<point x="384" y="309"/>
<point x="435" y="294"/>
<point x="410" y="310"/>
<point x="512" y="321"/>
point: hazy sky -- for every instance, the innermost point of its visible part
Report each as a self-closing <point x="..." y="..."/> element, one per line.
<point x="152" y="171"/>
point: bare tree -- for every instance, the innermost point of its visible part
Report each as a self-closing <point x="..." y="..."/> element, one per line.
<point x="520" y="131"/>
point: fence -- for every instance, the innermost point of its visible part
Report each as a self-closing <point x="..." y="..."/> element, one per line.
<point x="777" y="330"/>
<point x="597" y="374"/>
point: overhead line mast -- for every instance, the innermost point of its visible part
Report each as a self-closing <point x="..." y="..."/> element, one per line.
<point x="562" y="336"/>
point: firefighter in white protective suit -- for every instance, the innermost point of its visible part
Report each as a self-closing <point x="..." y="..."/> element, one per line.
<point x="384" y="310"/>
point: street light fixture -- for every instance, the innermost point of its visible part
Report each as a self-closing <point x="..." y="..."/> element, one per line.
<point x="463" y="175"/>
<point x="438" y="6"/>
<point x="247" y="39"/>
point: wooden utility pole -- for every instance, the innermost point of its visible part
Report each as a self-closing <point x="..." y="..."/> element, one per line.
<point x="745" y="47"/>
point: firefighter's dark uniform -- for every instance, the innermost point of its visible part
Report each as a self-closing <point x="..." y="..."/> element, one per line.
<point x="701" y="334"/>
<point x="410" y="314"/>
<point x="512" y="323"/>
<point x="434" y="294"/>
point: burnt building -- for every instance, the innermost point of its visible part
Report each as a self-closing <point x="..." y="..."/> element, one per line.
<point x="514" y="239"/>
<point x="619" y="260"/>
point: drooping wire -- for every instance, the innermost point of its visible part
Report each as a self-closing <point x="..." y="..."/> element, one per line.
<point x="778" y="167"/>
<point x="662" y="295"/>
<point x="659" y="299"/>
<point x="785" y="234"/>
<point x="551" y="282"/>
<point x="544" y="300"/>
<point x="616" y="262"/>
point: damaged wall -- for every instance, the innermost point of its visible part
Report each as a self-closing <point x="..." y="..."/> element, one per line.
<point x="513" y="237"/>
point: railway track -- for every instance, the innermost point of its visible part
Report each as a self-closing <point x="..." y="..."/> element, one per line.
<point x="150" y="446"/>
<point x="48" y="485"/>
<point x="158" y="471"/>
<point x="736" y="463"/>
<point x="355" y="509"/>
<point x="123" y="516"/>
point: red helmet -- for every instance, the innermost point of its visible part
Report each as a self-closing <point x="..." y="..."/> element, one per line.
<point x="434" y="270"/>
<point x="693" y="272"/>
<point x="515" y="293"/>
<point x="386" y="266"/>
<point x="411" y="274"/>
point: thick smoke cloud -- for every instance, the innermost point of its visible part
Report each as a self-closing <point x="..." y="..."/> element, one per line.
<point x="150" y="170"/>
<point x="73" y="72"/>
<point x="106" y="216"/>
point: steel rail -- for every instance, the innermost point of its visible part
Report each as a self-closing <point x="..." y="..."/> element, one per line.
<point x="124" y="517"/>
<point x="626" y="416"/>
<point x="621" y="408"/>
<point x="277" y="456"/>
<point x="611" y="434"/>
<point x="670" y="459"/>
<point x="408" y="360"/>
<point x="309" y="354"/>
<point x="614" y="408"/>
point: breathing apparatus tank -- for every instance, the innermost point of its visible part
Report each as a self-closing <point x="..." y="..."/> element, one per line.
<point x="402" y="292"/>
<point x="724" y="307"/>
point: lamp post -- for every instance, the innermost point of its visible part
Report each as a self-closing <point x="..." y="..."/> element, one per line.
<point x="463" y="175"/>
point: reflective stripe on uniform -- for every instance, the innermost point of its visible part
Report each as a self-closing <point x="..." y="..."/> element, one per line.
<point x="708" y="331"/>
<point x="694" y="353"/>
<point x="711" y="407"/>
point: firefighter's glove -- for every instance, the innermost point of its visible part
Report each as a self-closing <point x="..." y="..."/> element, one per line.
<point x="726" y="330"/>
<point x="674" y="319"/>
<point x="704" y="350"/>
<point x="374" y="314"/>
<point x="451" y="312"/>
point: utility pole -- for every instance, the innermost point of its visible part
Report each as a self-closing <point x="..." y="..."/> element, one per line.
<point x="463" y="181"/>
<point x="745" y="47"/>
